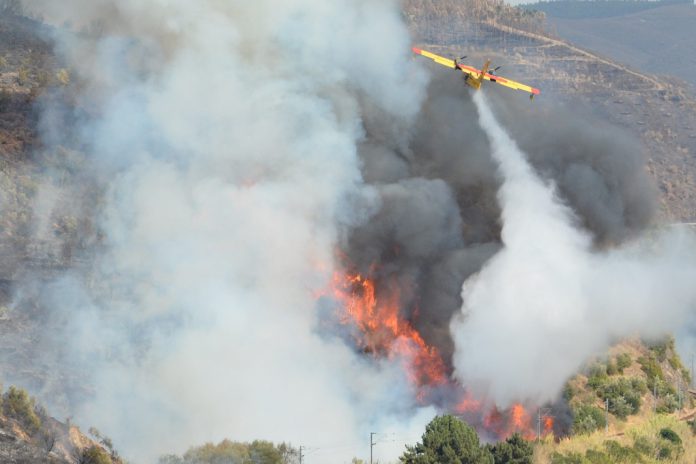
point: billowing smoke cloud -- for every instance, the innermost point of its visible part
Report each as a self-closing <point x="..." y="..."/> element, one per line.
<point x="547" y="301"/>
<point x="223" y="140"/>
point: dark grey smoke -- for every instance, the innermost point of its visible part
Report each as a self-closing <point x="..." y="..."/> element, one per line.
<point x="439" y="217"/>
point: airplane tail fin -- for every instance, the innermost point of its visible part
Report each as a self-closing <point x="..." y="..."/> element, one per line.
<point x="484" y="70"/>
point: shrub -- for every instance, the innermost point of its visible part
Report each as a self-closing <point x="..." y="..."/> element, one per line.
<point x="587" y="419"/>
<point x="94" y="455"/>
<point x="571" y="458"/>
<point x="569" y="392"/>
<point x="624" y="396"/>
<point x="18" y="405"/>
<point x="643" y="446"/>
<point x="597" y="457"/>
<point x="692" y="425"/>
<point x="597" y="376"/>
<point x="652" y="369"/>
<point x="670" y="435"/>
<point x="23" y="75"/>
<point x="667" y="404"/>
<point x="619" y="453"/>
<point x="623" y="361"/>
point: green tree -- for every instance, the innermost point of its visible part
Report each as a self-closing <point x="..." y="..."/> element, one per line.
<point x="514" y="450"/>
<point x="447" y="440"/>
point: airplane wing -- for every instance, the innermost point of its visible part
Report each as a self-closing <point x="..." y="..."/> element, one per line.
<point x="445" y="61"/>
<point x="475" y="72"/>
<point x="510" y="83"/>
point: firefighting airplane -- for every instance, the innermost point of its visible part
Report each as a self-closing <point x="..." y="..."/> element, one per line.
<point x="474" y="77"/>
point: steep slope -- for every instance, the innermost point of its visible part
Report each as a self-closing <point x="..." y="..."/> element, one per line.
<point x="645" y="387"/>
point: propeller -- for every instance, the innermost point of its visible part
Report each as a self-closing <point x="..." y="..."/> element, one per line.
<point x="492" y="71"/>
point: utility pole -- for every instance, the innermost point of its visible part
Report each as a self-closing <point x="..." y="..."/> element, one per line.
<point x="655" y="395"/>
<point x="692" y="354"/>
<point x="372" y="443"/>
<point x="301" y="455"/>
<point x="541" y="413"/>
<point x="606" y="417"/>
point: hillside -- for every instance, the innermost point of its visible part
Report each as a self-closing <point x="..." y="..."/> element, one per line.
<point x="645" y="387"/>
<point x="656" y="41"/>
<point x="29" y="435"/>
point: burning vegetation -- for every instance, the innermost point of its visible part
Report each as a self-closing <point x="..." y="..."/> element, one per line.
<point x="373" y="311"/>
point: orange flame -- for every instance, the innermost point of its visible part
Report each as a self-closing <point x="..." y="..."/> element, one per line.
<point x="382" y="329"/>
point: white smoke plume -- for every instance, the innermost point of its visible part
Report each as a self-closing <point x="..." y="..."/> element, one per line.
<point x="224" y="136"/>
<point x="548" y="301"/>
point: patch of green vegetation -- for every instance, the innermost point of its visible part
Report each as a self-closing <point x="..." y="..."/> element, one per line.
<point x="670" y="435"/>
<point x="94" y="455"/>
<point x="587" y="419"/>
<point x="514" y="450"/>
<point x="257" y="452"/>
<point x="623" y="361"/>
<point x="597" y="376"/>
<point x="624" y="395"/>
<point x="18" y="405"/>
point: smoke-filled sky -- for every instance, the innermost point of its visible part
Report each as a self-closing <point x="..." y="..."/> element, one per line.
<point x="235" y="148"/>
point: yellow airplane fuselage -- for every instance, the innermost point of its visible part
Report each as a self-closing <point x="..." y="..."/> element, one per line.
<point x="475" y="82"/>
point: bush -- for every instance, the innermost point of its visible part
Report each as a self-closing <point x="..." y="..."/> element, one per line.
<point x="670" y="435"/>
<point x="643" y="446"/>
<point x="571" y="458"/>
<point x="667" y="404"/>
<point x="692" y="425"/>
<point x="619" y="453"/>
<point x="569" y="392"/>
<point x="597" y="457"/>
<point x="18" y="405"/>
<point x="597" y="376"/>
<point x="94" y="455"/>
<point x="652" y="369"/>
<point x="623" y="361"/>
<point x="587" y="419"/>
<point x="624" y="396"/>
